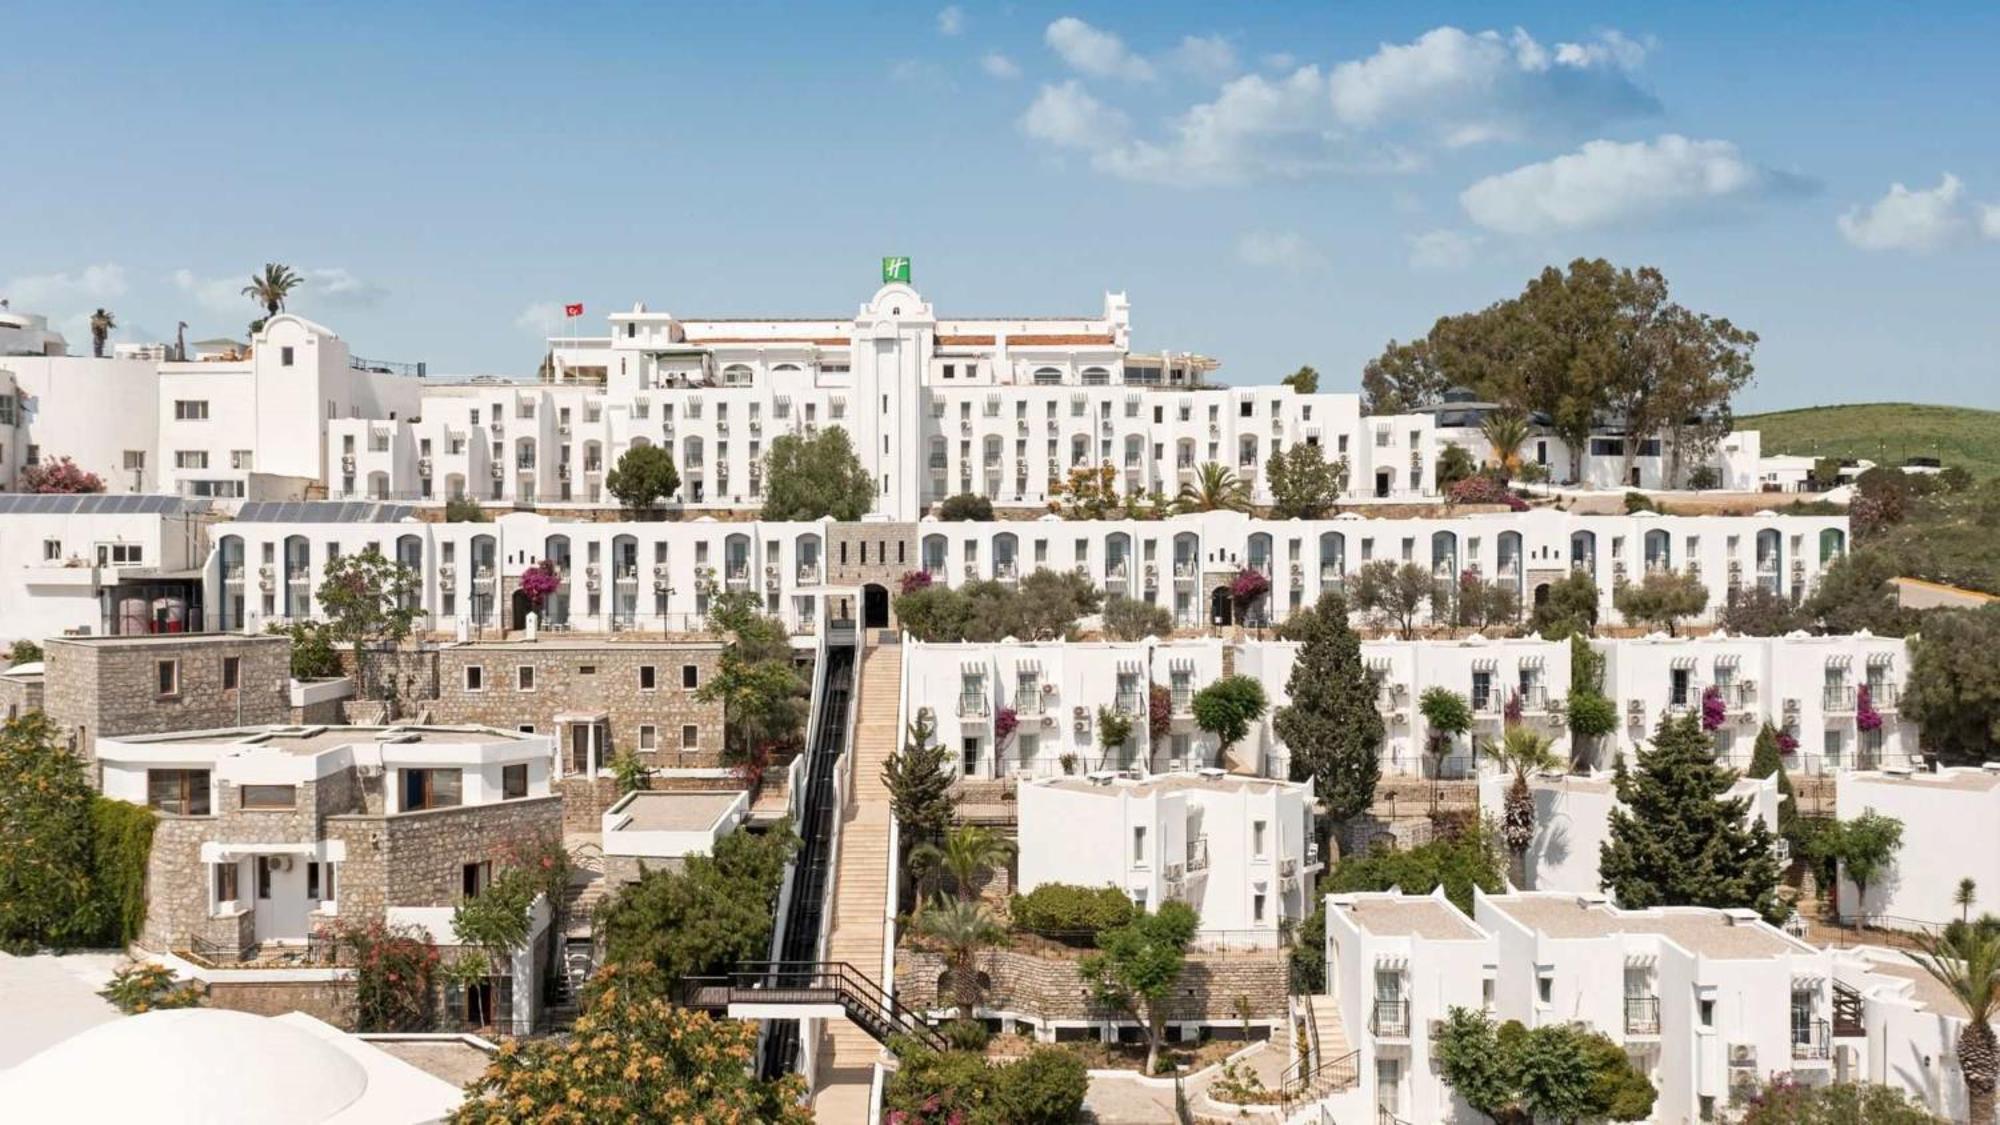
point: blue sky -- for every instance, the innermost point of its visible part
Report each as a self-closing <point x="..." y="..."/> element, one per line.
<point x="1279" y="185"/>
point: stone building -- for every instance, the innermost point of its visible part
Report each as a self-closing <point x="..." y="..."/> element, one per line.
<point x="104" y="687"/>
<point x="267" y="835"/>
<point x="21" y="690"/>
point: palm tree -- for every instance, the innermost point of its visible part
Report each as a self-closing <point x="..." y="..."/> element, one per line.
<point x="1966" y="961"/>
<point x="966" y="852"/>
<point x="101" y="324"/>
<point x="1964" y="897"/>
<point x="1214" y="489"/>
<point x="962" y="929"/>
<point x="271" y="287"/>
<point x="1524" y="751"/>
<point x="1506" y="431"/>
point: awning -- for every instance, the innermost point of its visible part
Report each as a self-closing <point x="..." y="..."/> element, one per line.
<point x="1128" y="667"/>
<point x="1486" y="664"/>
<point x="1683" y="663"/>
<point x="1181" y="664"/>
<point x="1531" y="661"/>
<point x="1034" y="666"/>
<point x="1881" y="659"/>
<point x="1379" y="663"/>
<point x="1840" y="660"/>
<point x="582" y="716"/>
<point x="1728" y="660"/>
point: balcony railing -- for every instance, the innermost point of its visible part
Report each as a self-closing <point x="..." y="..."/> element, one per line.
<point x="1837" y="697"/>
<point x="1534" y="698"/>
<point x="1810" y="1039"/>
<point x="1642" y="1015"/>
<point x="1391" y="1019"/>
<point x="1883" y="697"/>
<point x="1197" y="854"/>
<point x="1128" y="702"/>
<point x="971" y="704"/>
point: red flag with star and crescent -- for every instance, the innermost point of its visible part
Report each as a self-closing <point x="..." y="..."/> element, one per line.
<point x="573" y="310"/>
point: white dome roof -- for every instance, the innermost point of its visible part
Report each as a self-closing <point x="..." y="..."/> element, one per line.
<point x="190" y="1065"/>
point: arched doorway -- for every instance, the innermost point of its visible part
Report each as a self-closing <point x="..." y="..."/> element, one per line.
<point x="1221" y="607"/>
<point x="1541" y="594"/>
<point x="874" y="606"/>
<point x="520" y="607"/>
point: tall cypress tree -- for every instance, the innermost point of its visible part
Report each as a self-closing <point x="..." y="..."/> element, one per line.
<point x="1332" y="727"/>
<point x="1677" y="839"/>
<point x="1766" y="760"/>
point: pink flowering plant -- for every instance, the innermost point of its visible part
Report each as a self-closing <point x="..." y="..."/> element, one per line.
<point x="539" y="581"/>
<point x="1005" y="721"/>
<point x="60" y="475"/>
<point x="1714" y="712"/>
<point x="1788" y="743"/>
<point x="1866" y="717"/>
<point x="914" y="580"/>
<point x="1248" y="585"/>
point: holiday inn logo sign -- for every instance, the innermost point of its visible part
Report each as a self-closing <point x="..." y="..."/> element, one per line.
<point x="895" y="269"/>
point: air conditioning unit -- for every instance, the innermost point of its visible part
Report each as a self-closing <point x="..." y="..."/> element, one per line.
<point x="1743" y="1055"/>
<point x="1082" y="726"/>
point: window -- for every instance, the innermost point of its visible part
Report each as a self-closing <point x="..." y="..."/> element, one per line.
<point x="52" y="550"/>
<point x="690" y="678"/>
<point x="648" y="677"/>
<point x="1257" y="907"/>
<point x="524" y="677"/>
<point x="181" y="792"/>
<point x="267" y="798"/>
<point x="190" y="459"/>
<point x="167" y="677"/>
<point x="1545" y="988"/>
<point x="649" y="737"/>
<point x="190" y="410"/>
<point x="475" y="678"/>
<point x="1139" y="846"/>
<point x="969" y="756"/>
<point x="285" y="356"/>
<point x="232" y="673"/>
<point x="225" y="883"/>
<point x="1257" y="832"/>
<point x="1707" y="1013"/>
<point x="526" y="728"/>
<point x="690" y="737"/>
<point x="431" y="789"/>
<point x="474" y="878"/>
<point x="319" y="881"/>
<point x="120" y="554"/>
<point x="242" y="459"/>
<point x="513" y="781"/>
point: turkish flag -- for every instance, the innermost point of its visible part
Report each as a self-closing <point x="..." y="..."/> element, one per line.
<point x="572" y="310"/>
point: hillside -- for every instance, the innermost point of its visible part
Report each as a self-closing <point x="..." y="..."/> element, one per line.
<point x="1885" y="432"/>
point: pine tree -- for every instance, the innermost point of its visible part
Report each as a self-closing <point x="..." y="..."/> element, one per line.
<point x="1332" y="727"/>
<point x="1677" y="839"/>
<point x="919" y="785"/>
<point x="1766" y="760"/>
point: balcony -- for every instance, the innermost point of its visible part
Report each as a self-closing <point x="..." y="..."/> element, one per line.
<point x="1390" y="1019"/>
<point x="1642" y="1015"/>
<point x="738" y="575"/>
<point x="1837" y="699"/>
<point x="1186" y="572"/>
<point x="1028" y="703"/>
<point x="1130" y="702"/>
<point x="1810" y="1039"/>
<point x="1883" y="697"/>
<point x="972" y="705"/>
<point x="1183" y="699"/>
<point x="808" y="574"/>
<point x="1197" y="855"/>
<point x="1534" y="699"/>
<point x="1006" y="571"/>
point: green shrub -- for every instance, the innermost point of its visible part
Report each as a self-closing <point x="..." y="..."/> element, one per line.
<point x="121" y="836"/>
<point x="1639" y="502"/>
<point x="148" y="987"/>
<point x="1045" y="1088"/>
<point x="966" y="1035"/>
<point x="1061" y="907"/>
<point x="313" y="654"/>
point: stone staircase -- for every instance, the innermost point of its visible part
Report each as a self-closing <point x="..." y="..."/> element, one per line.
<point x="861" y="886"/>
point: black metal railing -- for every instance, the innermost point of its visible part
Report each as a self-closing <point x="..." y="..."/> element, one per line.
<point x="1810" y="1038"/>
<point x="1305" y="1082"/>
<point x="1642" y="1015"/>
<point x="1391" y="1019"/>
<point x="384" y="367"/>
<point x="866" y="1003"/>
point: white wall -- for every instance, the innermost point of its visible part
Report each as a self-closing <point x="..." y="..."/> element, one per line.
<point x="1951" y="831"/>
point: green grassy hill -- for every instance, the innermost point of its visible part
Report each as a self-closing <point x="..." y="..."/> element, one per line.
<point x="1885" y="432"/>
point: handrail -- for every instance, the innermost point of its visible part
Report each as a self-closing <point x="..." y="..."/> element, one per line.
<point x="857" y="992"/>
<point x="1325" y="1077"/>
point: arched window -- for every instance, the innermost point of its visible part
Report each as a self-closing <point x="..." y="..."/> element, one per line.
<point x="1832" y="545"/>
<point x="1583" y="552"/>
<point x="1332" y="557"/>
<point x="1444" y="555"/>
<point x="298" y="577"/>
<point x="230" y="551"/>
<point x="1659" y="551"/>
<point x="1048" y="376"/>
<point x="410" y="556"/>
<point x="934" y="556"/>
<point x="735" y="374"/>
<point x="1096" y="377"/>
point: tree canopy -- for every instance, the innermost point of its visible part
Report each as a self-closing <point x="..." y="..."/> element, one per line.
<point x="1228" y="707"/>
<point x="1574" y="347"/>
<point x="715" y="911"/>
<point x="1678" y="839"/>
<point x="644" y="1059"/>
<point x="1555" y="1072"/>
<point x="1953" y="690"/>
<point x="1332" y="728"/>
<point x="1663" y="598"/>
<point x="643" y="476"/>
<point x="1393" y="594"/>
<point x="817" y="477"/>
<point x="1570" y="609"/>
<point x="1137" y="965"/>
<point x="46" y="896"/>
<point x="1304" y="484"/>
<point x="1045" y="606"/>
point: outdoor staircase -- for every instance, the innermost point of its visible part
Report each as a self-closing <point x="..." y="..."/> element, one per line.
<point x="1329" y="1067"/>
<point x="756" y="989"/>
<point x="861" y="887"/>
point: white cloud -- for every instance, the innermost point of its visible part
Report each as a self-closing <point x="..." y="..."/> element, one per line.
<point x="997" y="65"/>
<point x="54" y="294"/>
<point x="1255" y="127"/>
<point x="1442" y="249"/>
<point x="1094" y="52"/>
<point x="1920" y="221"/>
<point x="1280" y="60"/>
<point x="1206" y="56"/>
<point x="1475" y="87"/>
<point x="1284" y="250"/>
<point x="951" y="21"/>
<point x="217" y="294"/>
<point x="1068" y="117"/>
<point x="337" y="287"/>
<point x="1606" y="183"/>
<point x="540" y="319"/>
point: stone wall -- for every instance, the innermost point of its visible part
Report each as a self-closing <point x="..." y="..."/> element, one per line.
<point x="332" y="1001"/>
<point x="19" y="695"/>
<point x="861" y="553"/>
<point x="109" y="686"/>
<point x="1049" y="989"/>
<point x="587" y="799"/>
<point x="418" y="858"/>
<point x="572" y="678"/>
